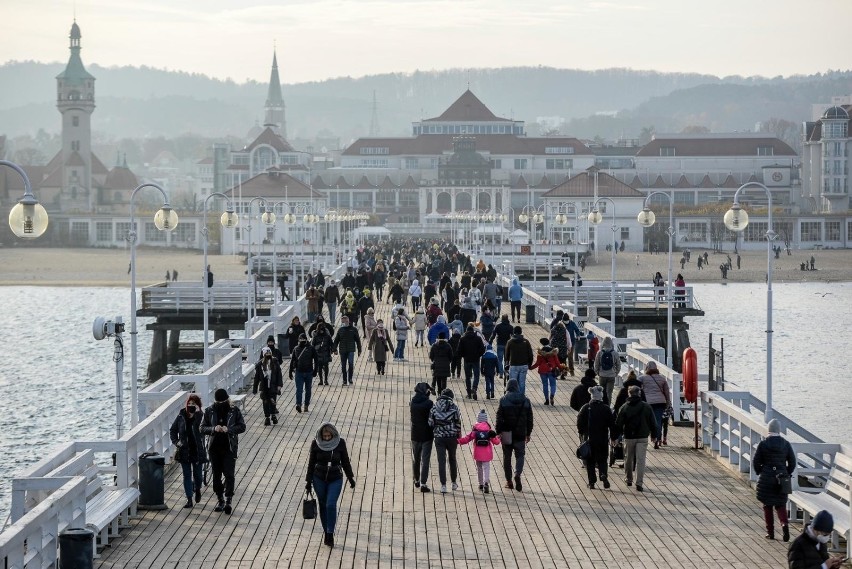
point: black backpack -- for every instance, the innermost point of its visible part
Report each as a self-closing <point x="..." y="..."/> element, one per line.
<point x="607" y="361"/>
<point x="482" y="439"/>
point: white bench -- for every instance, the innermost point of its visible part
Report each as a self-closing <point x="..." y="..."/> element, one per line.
<point x="238" y="400"/>
<point x="835" y="498"/>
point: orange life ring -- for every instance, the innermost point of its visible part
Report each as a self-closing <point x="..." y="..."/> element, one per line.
<point x="690" y="375"/>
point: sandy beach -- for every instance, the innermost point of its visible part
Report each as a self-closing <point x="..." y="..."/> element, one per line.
<point x="109" y="267"/>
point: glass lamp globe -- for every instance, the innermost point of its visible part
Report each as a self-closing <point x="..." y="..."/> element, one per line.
<point x="561" y="219"/>
<point x="289" y="218"/>
<point x="736" y="218"/>
<point x="166" y="219"/>
<point x="646" y="218"/>
<point x="538" y="219"/>
<point x="523" y="218"/>
<point x="268" y="218"/>
<point x="329" y="216"/>
<point x="229" y="219"/>
<point x="28" y="220"/>
<point x="503" y="218"/>
<point x="595" y="217"/>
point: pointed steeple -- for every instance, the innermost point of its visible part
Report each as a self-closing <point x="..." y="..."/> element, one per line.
<point x="275" y="108"/>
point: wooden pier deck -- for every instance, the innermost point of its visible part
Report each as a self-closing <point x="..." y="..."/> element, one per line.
<point x="693" y="512"/>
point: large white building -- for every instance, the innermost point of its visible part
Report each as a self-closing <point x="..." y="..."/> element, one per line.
<point x="825" y="161"/>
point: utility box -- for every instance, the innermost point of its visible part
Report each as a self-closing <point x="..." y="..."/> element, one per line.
<point x="152" y="481"/>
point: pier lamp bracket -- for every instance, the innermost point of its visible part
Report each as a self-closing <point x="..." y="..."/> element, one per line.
<point x="103" y="328"/>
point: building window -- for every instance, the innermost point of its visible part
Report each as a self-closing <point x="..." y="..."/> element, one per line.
<point x="412" y="163"/>
<point x="375" y="150"/>
<point x="496" y="163"/>
<point x="558" y="150"/>
<point x="520" y="163"/>
<point x="811" y="230"/>
<point x="363" y="200"/>
<point x="152" y="234"/>
<point x="184" y="233"/>
<point x="559" y="163"/>
<point x="408" y="199"/>
<point x="374" y="163"/>
<point x="385" y="199"/>
<point x="667" y="151"/>
<point x="832" y="231"/>
<point x="625" y="233"/>
<point x="834" y="129"/>
<point x="103" y="231"/>
<point x="80" y="232"/>
<point x="755" y="231"/>
<point x="693" y="231"/>
<point x="765" y="151"/>
<point x="75" y="121"/>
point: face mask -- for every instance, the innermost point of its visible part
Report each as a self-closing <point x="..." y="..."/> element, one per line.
<point x="823" y="538"/>
<point x="192" y="408"/>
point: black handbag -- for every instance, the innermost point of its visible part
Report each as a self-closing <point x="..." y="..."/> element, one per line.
<point x="584" y="451"/>
<point x="309" y="506"/>
<point x="785" y="483"/>
<point x="618" y="451"/>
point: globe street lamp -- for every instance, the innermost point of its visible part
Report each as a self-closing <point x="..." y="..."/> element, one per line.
<point x="28" y="219"/>
<point x="595" y="218"/>
<point x="647" y="218"/>
<point x="736" y="219"/>
<point x="164" y="220"/>
<point x="532" y="217"/>
<point x="267" y="218"/>
<point x="228" y="220"/>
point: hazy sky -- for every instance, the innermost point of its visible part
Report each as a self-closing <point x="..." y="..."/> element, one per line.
<point x="317" y="39"/>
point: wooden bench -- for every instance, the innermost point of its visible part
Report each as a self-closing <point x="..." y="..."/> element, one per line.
<point x="834" y="497"/>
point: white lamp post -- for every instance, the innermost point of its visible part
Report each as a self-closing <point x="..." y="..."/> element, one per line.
<point x="647" y="218"/>
<point x="596" y="218"/>
<point x="267" y="218"/>
<point x="164" y="220"/>
<point x="228" y="220"/>
<point x="736" y="219"/>
<point x="28" y="219"/>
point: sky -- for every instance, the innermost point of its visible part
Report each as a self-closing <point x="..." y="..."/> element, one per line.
<point x="318" y="39"/>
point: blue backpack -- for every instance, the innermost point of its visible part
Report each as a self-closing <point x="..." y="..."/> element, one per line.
<point x="482" y="439"/>
<point x="607" y="360"/>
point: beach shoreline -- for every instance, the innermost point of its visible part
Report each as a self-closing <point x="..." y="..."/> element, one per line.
<point x="24" y="266"/>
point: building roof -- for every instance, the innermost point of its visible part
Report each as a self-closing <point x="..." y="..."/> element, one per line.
<point x="121" y="178"/>
<point x="467" y="108"/>
<point x="271" y="138"/>
<point x="437" y="144"/>
<point x="364" y="184"/>
<point x="273" y="95"/>
<point x="274" y="185"/>
<point x="207" y="160"/>
<point x="835" y="113"/>
<point x="98" y="168"/>
<point x="74" y="71"/>
<point x="813" y="130"/>
<point x="583" y="186"/>
<point x="715" y="145"/>
<point x="75" y="159"/>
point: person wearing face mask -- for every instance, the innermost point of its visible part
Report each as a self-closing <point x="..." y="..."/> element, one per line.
<point x="322" y="344"/>
<point x="268" y="381"/>
<point x="185" y="434"/>
<point x="810" y="549"/>
<point x="774" y="456"/>
<point x="223" y="423"/>
<point x="328" y="461"/>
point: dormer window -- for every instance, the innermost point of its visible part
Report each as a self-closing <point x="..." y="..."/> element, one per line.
<point x="765" y="151"/>
<point x="667" y="151"/>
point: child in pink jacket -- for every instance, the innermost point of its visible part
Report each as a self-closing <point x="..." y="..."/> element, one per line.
<point x="484" y="438"/>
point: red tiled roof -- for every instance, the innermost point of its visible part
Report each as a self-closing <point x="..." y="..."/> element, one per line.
<point x="469" y="108"/>
<point x="583" y="186"/>
<point x="717" y="146"/>
<point x="437" y="144"/>
<point x="53" y="180"/>
<point x="277" y="185"/>
<point x="207" y="160"/>
<point x="270" y="137"/>
<point x="98" y="168"/>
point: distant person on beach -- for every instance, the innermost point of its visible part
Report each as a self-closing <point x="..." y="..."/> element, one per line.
<point x="328" y="461"/>
<point x="724" y="269"/>
<point x="129" y="266"/>
<point x="174" y="274"/>
<point x="773" y="457"/>
<point x="223" y="423"/>
<point x="168" y="276"/>
<point x="209" y="277"/>
<point x="739" y="260"/>
<point x="185" y="434"/>
<point x="813" y="263"/>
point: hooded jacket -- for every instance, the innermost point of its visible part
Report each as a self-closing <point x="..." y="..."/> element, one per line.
<point x="559" y="339"/>
<point x="268" y="381"/>
<point x="515" y="413"/>
<point x="328" y="460"/>
<point x="621" y="398"/>
<point x="547" y="360"/>
<point x="488" y="363"/>
<point x="470" y="347"/>
<point x="347" y="339"/>
<point x="420" y="407"/>
<point x="580" y="395"/>
<point x="502" y="333"/>
<point x="636" y="420"/>
<point x="322" y="343"/>
<point x="233" y="419"/>
<point x="607" y="346"/>
<point x="519" y="352"/>
<point x="655" y="387"/>
<point x="182" y="429"/>
<point x="516" y="292"/>
<point x="441" y="355"/>
<point x="595" y="421"/>
<point x="484" y="453"/>
<point x="486" y="321"/>
<point x="445" y="418"/>
<point x="439" y="326"/>
<point x="774" y="455"/>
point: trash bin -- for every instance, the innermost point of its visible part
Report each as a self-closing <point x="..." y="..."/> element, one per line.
<point x="530" y="312"/>
<point x="284" y="345"/>
<point x="151" y="481"/>
<point x="76" y="549"/>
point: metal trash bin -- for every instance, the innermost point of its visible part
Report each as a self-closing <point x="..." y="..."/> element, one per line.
<point x="77" y="549"/>
<point x="284" y="345"/>
<point x="152" y="481"/>
<point x="530" y="314"/>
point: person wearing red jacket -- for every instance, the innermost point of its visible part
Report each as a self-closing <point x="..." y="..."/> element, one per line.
<point x="547" y="362"/>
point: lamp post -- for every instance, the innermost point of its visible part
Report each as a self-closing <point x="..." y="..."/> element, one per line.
<point x="164" y="220"/>
<point x="596" y="218"/>
<point x="28" y="219"/>
<point x="736" y="219"/>
<point x="647" y="218"/>
<point x="508" y="215"/>
<point x="268" y="219"/>
<point x="532" y="217"/>
<point x="228" y="219"/>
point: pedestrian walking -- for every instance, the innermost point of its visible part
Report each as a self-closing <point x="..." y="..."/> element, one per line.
<point x="484" y="440"/>
<point x="332" y="299"/>
<point x="421" y="435"/>
<point x="441" y="355"/>
<point x="501" y="335"/>
<point x="516" y="294"/>
<point x="323" y="345"/>
<point x="276" y="353"/>
<point x="346" y="341"/>
<point x="519" y="358"/>
<point x="607" y="365"/>
<point x="445" y="420"/>
<point x="379" y="345"/>
<point x="269" y="383"/>
<point x="774" y="459"/>
<point x="304" y="366"/>
<point x="185" y="434"/>
<point x="328" y="461"/>
<point x="810" y="549"/>
<point x="547" y="363"/>
<point x="223" y="423"/>
<point x="581" y="395"/>
<point x="515" y="425"/>
<point x="401" y="324"/>
<point x="488" y="365"/>
<point x="595" y="423"/>
<point x="420" y="327"/>
<point x="293" y="332"/>
<point x="635" y="421"/>
<point x="471" y="350"/>
<point x="657" y="395"/>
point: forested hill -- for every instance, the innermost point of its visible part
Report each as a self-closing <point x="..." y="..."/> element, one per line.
<point x="141" y="101"/>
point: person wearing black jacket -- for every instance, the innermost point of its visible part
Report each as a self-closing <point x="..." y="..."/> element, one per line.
<point x="268" y="381"/>
<point x="322" y="344"/>
<point x="328" y="461"/>
<point x="594" y="424"/>
<point x="470" y="351"/>
<point x="500" y="336"/>
<point x="421" y="435"/>
<point x="223" y="423"/>
<point x="293" y="332"/>
<point x="185" y="434"/>
<point x="304" y="365"/>
<point x="621" y="397"/>
<point x="810" y="549"/>
<point x="515" y="425"/>
<point x="455" y="367"/>
<point x="332" y="299"/>
<point x="345" y="342"/>
<point x="774" y="456"/>
<point x="441" y="355"/>
<point x="276" y="353"/>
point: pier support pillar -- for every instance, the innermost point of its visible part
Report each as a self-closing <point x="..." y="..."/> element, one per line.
<point x="174" y="346"/>
<point x="681" y="343"/>
<point x="157" y="363"/>
<point x="219" y="335"/>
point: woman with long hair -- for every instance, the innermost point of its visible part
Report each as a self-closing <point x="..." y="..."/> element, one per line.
<point x="186" y="437"/>
<point x="328" y="461"/>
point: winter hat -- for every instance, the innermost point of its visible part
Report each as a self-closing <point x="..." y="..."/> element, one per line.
<point x="651" y="365"/>
<point x="265" y="350"/>
<point x="823" y="522"/>
<point x="513" y="385"/>
<point x="448" y="393"/>
<point x="303" y="338"/>
<point x="590" y="373"/>
<point x="544" y="341"/>
<point x="482" y="417"/>
<point x="596" y="393"/>
<point x="774" y="427"/>
<point x="270" y="338"/>
<point x="220" y="396"/>
<point x="423" y="388"/>
<point x="517" y="330"/>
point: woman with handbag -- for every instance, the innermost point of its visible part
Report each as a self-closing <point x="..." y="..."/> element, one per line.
<point x="774" y="461"/>
<point x="658" y="396"/>
<point x="328" y="461"/>
<point x="186" y="437"/>
<point x="379" y="346"/>
<point x="595" y="423"/>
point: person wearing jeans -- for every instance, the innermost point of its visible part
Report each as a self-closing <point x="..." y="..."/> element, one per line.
<point x="186" y="436"/>
<point x="519" y="358"/>
<point x="515" y="425"/>
<point x="445" y="420"/>
<point x="421" y="435"/>
<point x="471" y="350"/>
<point x="327" y="462"/>
<point x="304" y="364"/>
<point x="346" y="341"/>
<point x="402" y="325"/>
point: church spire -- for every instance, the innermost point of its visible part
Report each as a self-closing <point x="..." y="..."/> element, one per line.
<point x="275" y="108"/>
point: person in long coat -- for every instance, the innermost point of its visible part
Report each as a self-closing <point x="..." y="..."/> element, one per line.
<point x="774" y="456"/>
<point x="380" y="344"/>
<point x="595" y="423"/>
<point x="185" y="434"/>
<point x="441" y="355"/>
<point x="268" y="381"/>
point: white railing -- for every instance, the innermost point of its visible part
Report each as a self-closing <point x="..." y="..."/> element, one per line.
<point x="627" y="295"/>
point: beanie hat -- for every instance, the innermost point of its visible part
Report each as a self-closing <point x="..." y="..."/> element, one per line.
<point x="823" y="522"/>
<point x="482" y="417"/>
<point x="220" y="396"/>
<point x="774" y="427"/>
<point x="590" y="373"/>
<point x="517" y="330"/>
<point x="303" y="338"/>
<point x="544" y="341"/>
<point x="270" y="338"/>
<point x="596" y="392"/>
<point x="448" y="393"/>
<point x="265" y="350"/>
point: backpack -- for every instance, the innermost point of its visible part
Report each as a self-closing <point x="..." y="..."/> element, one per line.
<point x="607" y="360"/>
<point x="481" y="439"/>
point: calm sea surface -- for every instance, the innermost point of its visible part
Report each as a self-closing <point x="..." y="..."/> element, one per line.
<point x="57" y="383"/>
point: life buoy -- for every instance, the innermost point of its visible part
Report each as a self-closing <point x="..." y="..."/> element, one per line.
<point x="690" y="375"/>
